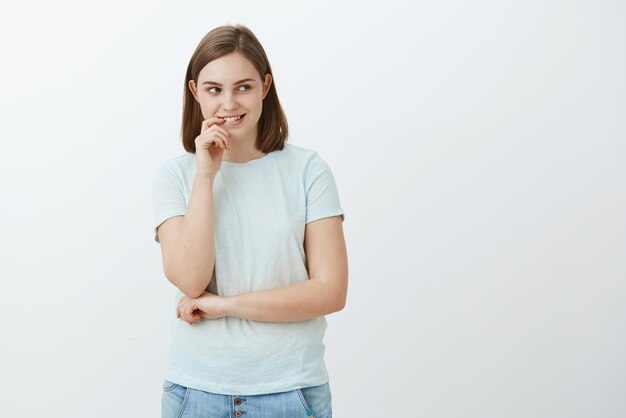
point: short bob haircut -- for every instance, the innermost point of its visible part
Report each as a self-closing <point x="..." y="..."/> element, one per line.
<point x="223" y="40"/>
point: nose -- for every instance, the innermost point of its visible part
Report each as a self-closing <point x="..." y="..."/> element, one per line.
<point x="228" y="101"/>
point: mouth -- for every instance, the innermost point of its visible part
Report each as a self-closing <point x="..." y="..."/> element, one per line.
<point x="233" y="119"/>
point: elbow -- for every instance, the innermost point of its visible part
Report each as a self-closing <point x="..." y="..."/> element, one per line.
<point x="192" y="288"/>
<point x="193" y="295"/>
<point x="335" y="307"/>
<point x="334" y="295"/>
<point x="343" y="294"/>
<point x="194" y="291"/>
<point x="340" y="305"/>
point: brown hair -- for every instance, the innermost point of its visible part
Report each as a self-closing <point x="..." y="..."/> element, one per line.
<point x="223" y="40"/>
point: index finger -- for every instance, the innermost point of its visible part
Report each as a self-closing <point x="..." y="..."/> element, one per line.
<point x="206" y="124"/>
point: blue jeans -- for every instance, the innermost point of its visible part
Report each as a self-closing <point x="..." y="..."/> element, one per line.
<point x="182" y="402"/>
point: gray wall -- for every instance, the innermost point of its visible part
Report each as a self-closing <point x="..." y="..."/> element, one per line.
<point x="478" y="148"/>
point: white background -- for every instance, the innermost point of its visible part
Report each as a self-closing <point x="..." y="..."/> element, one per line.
<point x="478" y="148"/>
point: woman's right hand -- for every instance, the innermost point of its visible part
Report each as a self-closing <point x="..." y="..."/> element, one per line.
<point x="210" y="146"/>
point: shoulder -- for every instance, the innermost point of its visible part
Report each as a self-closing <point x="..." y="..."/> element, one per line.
<point x="179" y="166"/>
<point x="181" y="161"/>
<point x="305" y="161"/>
<point x="297" y="151"/>
<point x="299" y="155"/>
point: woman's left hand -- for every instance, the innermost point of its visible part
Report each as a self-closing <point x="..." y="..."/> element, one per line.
<point x="207" y="305"/>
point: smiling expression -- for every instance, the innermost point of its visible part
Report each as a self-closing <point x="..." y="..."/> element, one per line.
<point x="231" y="88"/>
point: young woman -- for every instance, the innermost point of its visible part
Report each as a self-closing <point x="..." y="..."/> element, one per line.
<point x="250" y="229"/>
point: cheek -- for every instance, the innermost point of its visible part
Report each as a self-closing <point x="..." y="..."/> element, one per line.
<point x="254" y="102"/>
<point x="208" y="106"/>
<point x="207" y="101"/>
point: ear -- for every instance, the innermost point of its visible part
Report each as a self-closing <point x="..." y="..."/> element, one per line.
<point x="194" y="91"/>
<point x="267" y="84"/>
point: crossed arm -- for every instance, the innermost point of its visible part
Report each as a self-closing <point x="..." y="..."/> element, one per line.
<point x="324" y="293"/>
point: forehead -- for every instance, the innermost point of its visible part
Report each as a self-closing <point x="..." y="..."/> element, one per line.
<point x="228" y="69"/>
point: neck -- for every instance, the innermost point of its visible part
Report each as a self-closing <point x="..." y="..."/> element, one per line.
<point x="242" y="151"/>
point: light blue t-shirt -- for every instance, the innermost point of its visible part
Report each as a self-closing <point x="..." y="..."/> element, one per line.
<point x="260" y="211"/>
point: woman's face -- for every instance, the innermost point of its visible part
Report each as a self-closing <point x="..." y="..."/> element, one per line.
<point x="231" y="86"/>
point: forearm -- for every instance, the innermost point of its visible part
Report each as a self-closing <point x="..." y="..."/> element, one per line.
<point x="298" y="302"/>
<point x="196" y="257"/>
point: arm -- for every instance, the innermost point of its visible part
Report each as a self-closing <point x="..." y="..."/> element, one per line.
<point x="188" y="242"/>
<point x="324" y="293"/>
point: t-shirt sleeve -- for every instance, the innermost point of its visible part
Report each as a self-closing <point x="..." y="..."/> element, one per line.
<point x="167" y="197"/>
<point x="322" y="197"/>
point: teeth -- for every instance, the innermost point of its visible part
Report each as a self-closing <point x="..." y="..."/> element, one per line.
<point x="232" y="119"/>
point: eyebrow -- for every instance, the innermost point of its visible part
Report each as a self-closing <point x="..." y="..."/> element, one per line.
<point x="219" y="84"/>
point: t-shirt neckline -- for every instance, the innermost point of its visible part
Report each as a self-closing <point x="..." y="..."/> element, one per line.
<point x="248" y="163"/>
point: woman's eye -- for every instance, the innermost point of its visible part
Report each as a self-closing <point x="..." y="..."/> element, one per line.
<point x="214" y="90"/>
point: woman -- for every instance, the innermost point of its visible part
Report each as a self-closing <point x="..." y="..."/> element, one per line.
<point x="250" y="229"/>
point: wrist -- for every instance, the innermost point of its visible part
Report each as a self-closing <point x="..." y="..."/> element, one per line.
<point x="227" y="305"/>
<point x="204" y="179"/>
